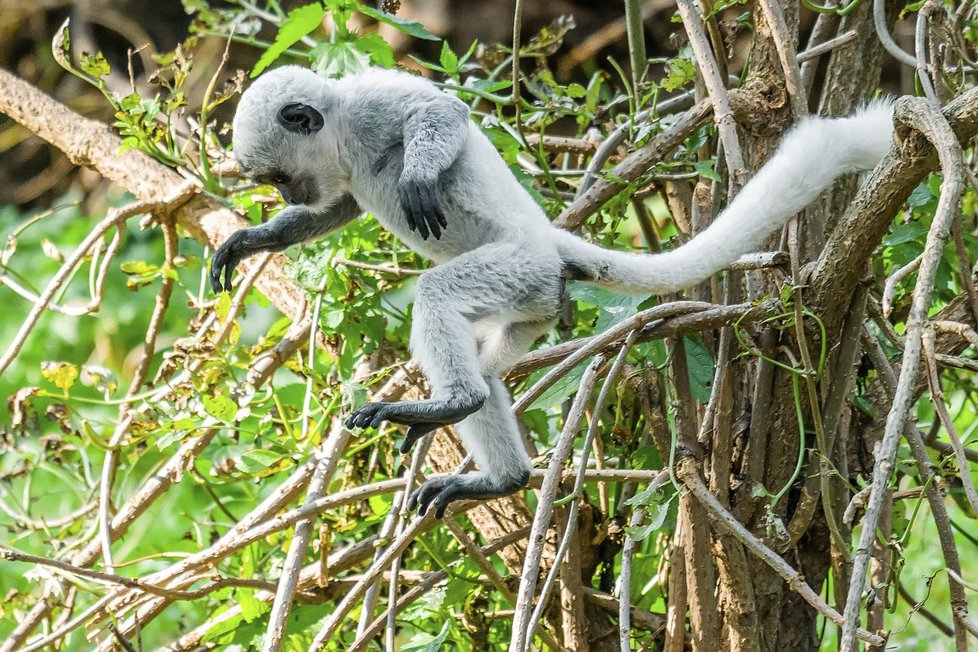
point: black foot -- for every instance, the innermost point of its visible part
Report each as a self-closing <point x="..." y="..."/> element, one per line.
<point x="413" y="413"/>
<point x="415" y="433"/>
<point x="440" y="492"/>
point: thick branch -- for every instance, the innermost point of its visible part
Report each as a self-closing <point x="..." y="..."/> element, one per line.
<point x="90" y="143"/>
<point x="867" y="219"/>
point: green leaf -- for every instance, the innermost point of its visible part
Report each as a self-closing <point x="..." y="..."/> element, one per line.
<point x="705" y="170"/>
<point x="700" y="364"/>
<point x="379" y="505"/>
<point x="905" y="232"/>
<point x="920" y="196"/>
<point x="223" y="305"/>
<point x="331" y="319"/>
<point x="613" y="307"/>
<point x="257" y="459"/>
<point x="656" y="517"/>
<point x="562" y="389"/>
<point x="62" y="374"/>
<point x="681" y="72"/>
<point x="427" y="606"/>
<point x="220" y="407"/>
<point x="95" y="65"/>
<point x="338" y="59"/>
<point x="251" y="607"/>
<point x="575" y="90"/>
<point x="139" y="267"/>
<point x="298" y="23"/>
<point x="409" y="27"/>
<point x="448" y="59"/>
<point x="379" y="50"/>
<point x="427" y="642"/>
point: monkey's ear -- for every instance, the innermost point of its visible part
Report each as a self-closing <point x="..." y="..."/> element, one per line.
<point x="300" y="119"/>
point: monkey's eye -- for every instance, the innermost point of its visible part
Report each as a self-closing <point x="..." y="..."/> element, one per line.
<point x="281" y="178"/>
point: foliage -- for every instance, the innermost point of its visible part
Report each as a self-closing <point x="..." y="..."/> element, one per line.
<point x="70" y="384"/>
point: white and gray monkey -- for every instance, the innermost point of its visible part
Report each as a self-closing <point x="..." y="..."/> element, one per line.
<point x="393" y="144"/>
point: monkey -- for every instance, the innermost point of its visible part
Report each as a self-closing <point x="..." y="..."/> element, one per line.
<point x="394" y="145"/>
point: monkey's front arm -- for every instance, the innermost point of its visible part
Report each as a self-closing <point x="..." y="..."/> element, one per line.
<point x="293" y="224"/>
<point x="434" y="135"/>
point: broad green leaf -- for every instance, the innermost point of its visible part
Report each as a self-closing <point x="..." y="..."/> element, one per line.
<point x="379" y="50"/>
<point x="298" y="23"/>
<point x="251" y="607"/>
<point x="705" y="170"/>
<point x="564" y="388"/>
<point x="339" y="59"/>
<point x="920" y="196"/>
<point x="699" y="361"/>
<point x="613" y="307"/>
<point x="905" y="232"/>
<point x="220" y="407"/>
<point x="257" y="459"/>
<point x="681" y="72"/>
<point x="426" y="642"/>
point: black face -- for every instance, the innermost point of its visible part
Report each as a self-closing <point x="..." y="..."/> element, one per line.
<point x="294" y="190"/>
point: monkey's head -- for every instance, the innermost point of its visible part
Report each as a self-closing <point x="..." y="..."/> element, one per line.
<point x="281" y="137"/>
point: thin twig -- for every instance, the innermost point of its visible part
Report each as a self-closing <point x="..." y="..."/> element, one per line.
<point x="426" y="585"/>
<point x="598" y="342"/>
<point x="723" y="116"/>
<point x="523" y="626"/>
<point x="920" y="52"/>
<point x="935" y="499"/>
<point x="327" y="458"/>
<point x="570" y="529"/>
<point x="932" y="123"/>
<point x="893" y="280"/>
<point x="827" y="46"/>
<point x="937" y="398"/>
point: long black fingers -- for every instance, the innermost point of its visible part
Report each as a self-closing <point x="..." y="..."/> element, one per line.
<point x="419" y="200"/>
<point x="225" y="259"/>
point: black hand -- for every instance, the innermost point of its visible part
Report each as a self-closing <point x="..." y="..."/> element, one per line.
<point x="419" y="199"/>
<point x="226" y="258"/>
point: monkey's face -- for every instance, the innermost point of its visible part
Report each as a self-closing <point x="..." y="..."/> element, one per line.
<point x="280" y="140"/>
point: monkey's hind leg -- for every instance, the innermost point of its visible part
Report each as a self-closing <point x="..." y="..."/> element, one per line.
<point x="493" y="437"/>
<point x="491" y="434"/>
<point x="497" y="283"/>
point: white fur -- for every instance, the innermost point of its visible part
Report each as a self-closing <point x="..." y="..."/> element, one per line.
<point x="498" y="284"/>
<point x="809" y="159"/>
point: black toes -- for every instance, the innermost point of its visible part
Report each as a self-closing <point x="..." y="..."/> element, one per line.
<point x="425" y="494"/>
<point x="437" y="493"/>
<point x="415" y="433"/>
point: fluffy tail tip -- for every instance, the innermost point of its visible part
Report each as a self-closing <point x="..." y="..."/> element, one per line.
<point x="870" y="129"/>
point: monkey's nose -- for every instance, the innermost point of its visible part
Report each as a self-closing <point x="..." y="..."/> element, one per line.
<point x="294" y="197"/>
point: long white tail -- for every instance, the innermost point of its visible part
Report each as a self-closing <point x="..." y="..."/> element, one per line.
<point x="811" y="156"/>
